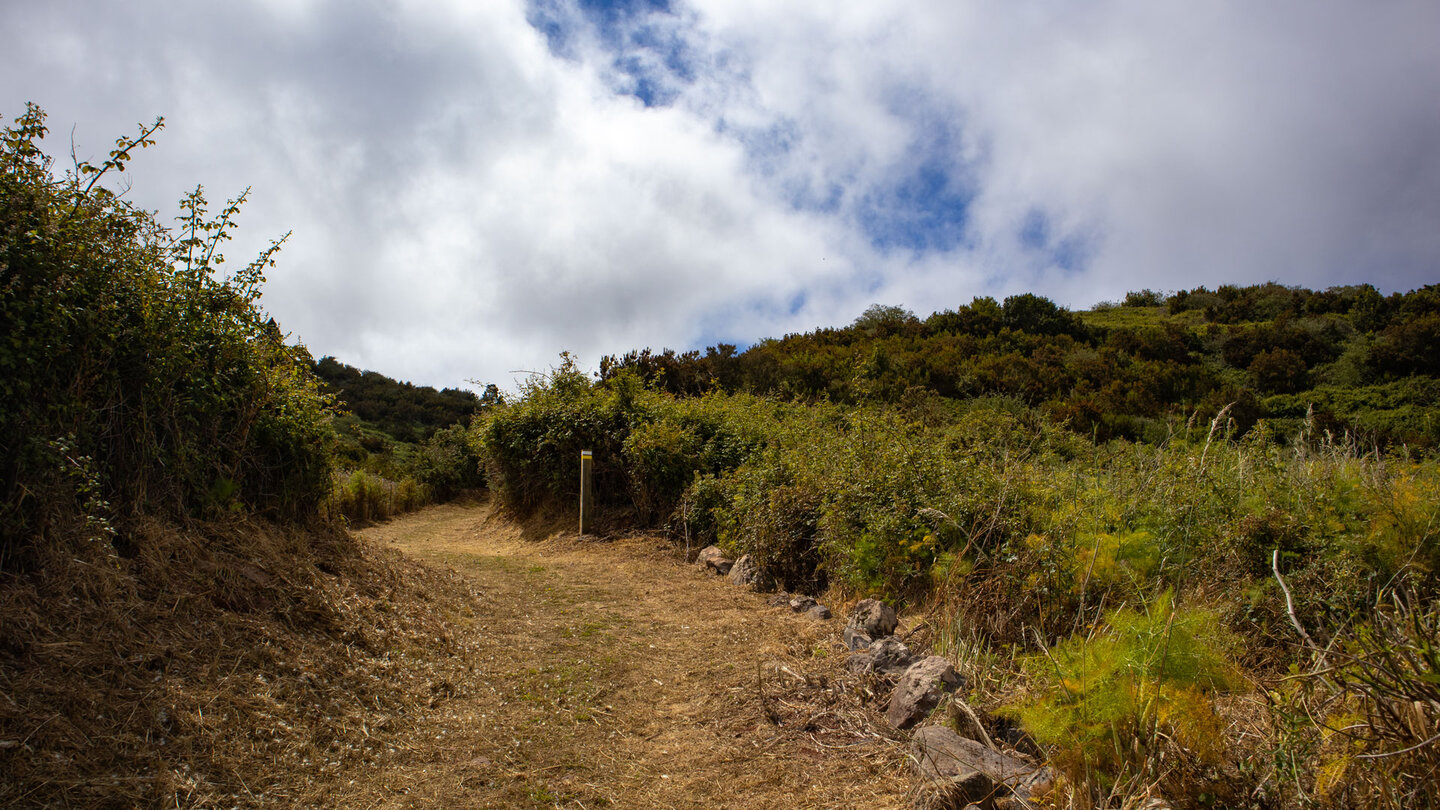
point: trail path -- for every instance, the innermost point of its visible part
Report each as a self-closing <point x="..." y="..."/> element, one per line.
<point x="611" y="674"/>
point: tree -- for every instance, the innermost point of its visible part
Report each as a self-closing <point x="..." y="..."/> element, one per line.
<point x="881" y="320"/>
<point x="1278" y="371"/>
<point x="1040" y="316"/>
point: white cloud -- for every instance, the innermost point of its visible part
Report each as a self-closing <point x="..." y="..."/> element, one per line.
<point x="466" y="202"/>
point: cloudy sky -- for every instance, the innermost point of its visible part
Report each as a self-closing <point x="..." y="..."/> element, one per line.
<point x="476" y="185"/>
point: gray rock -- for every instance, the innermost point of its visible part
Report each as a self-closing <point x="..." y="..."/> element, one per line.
<point x="965" y="720"/>
<point x="800" y="604"/>
<point x="818" y="612"/>
<point x="747" y="572"/>
<point x="967" y="791"/>
<point x="940" y="754"/>
<point x="713" y="558"/>
<point x="874" y="618"/>
<point x="856" y="639"/>
<point x="888" y="656"/>
<point x="920" y="690"/>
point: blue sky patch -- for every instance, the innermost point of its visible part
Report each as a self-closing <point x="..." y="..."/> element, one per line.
<point x="1071" y="253"/>
<point x="926" y="209"/>
<point x="650" y="60"/>
<point x="1035" y="230"/>
<point x="924" y="204"/>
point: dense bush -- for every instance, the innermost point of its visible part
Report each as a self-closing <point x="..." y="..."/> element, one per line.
<point x="648" y="446"/>
<point x="532" y="445"/>
<point x="363" y="497"/>
<point x="135" y="378"/>
<point x="1114" y="372"/>
<point x="1126" y="569"/>
<point x="448" y="464"/>
<point x="1144" y="677"/>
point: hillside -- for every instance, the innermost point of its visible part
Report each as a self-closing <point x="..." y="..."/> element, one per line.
<point x="404" y="411"/>
<point x="1238" y="603"/>
<point x="1355" y="360"/>
<point x="399" y="446"/>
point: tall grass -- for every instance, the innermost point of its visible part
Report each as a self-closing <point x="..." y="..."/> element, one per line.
<point x="1122" y="572"/>
<point x="364" y="497"/>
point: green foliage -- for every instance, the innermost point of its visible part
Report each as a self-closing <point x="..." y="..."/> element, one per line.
<point x="447" y="463"/>
<point x="364" y="497"/>
<point x="1117" y="372"/>
<point x="1039" y="316"/>
<point x="128" y="357"/>
<point x="1144" y="298"/>
<point x="532" y="445"/>
<point x="1109" y="701"/>
<point x="879" y="320"/>
<point x="939" y="462"/>
<point x="402" y="410"/>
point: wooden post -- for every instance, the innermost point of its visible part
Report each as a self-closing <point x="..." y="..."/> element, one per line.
<point x="584" y="490"/>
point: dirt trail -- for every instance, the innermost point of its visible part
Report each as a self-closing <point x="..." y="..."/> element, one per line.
<point x="611" y="674"/>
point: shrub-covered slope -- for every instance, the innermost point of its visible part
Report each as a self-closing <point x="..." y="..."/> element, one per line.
<point x="399" y="446"/>
<point x="1243" y="607"/>
<point x="135" y="380"/>
<point x="1364" y="361"/>
<point x="177" y="626"/>
<point x="405" y="411"/>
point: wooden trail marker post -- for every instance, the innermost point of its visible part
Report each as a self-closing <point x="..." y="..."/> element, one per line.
<point x="585" y="460"/>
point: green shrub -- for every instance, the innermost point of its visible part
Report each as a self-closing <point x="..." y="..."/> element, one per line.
<point x="532" y="445"/>
<point x="1108" y="703"/>
<point x="364" y="497"/>
<point x="448" y="464"/>
<point x="131" y="366"/>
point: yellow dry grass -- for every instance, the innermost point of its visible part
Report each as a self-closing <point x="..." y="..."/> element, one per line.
<point x="450" y="658"/>
<point x="611" y="674"/>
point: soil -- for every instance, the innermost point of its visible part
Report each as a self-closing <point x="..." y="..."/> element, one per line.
<point x="610" y="673"/>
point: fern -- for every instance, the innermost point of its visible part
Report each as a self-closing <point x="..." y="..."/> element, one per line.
<point x="1108" y="701"/>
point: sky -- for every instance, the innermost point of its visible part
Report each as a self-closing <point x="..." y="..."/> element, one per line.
<point x="474" y="186"/>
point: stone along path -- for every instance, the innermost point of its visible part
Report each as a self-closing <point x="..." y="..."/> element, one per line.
<point x="612" y="674"/>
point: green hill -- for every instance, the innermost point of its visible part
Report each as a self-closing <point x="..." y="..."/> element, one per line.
<point x="1366" y="363"/>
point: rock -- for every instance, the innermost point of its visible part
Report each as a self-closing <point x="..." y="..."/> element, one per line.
<point x="713" y="558"/>
<point x="965" y="720"/>
<point x="746" y="571"/>
<point x="920" y="690"/>
<point x="888" y="656"/>
<point x="874" y="618"/>
<point x="968" y="791"/>
<point x="800" y="604"/>
<point x="780" y="599"/>
<point x="856" y="639"/>
<point x="819" y="613"/>
<point x="940" y="754"/>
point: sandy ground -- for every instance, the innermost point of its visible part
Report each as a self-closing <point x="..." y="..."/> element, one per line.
<point x="612" y="674"/>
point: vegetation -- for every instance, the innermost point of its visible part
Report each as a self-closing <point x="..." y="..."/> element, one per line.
<point x="1112" y="551"/>
<point x="1365" y="362"/>
<point x="400" y="446"/>
<point x="404" y="411"/>
<point x="1103" y="502"/>
<point x="176" y="628"/>
<point x="137" y="378"/>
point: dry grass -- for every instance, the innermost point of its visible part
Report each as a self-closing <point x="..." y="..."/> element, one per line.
<point x="611" y="674"/>
<point x="244" y="665"/>
<point x="234" y="664"/>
